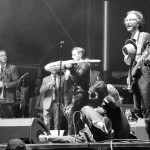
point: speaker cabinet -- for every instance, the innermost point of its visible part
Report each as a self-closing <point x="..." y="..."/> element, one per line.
<point x="27" y="129"/>
<point x="140" y="130"/>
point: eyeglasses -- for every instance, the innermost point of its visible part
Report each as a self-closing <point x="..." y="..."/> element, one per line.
<point x="130" y="20"/>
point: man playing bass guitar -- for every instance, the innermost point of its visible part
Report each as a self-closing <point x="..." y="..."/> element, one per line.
<point x="141" y="63"/>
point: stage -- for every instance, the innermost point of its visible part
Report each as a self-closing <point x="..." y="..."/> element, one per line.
<point x="96" y="145"/>
<point x="32" y="129"/>
<point x="112" y="144"/>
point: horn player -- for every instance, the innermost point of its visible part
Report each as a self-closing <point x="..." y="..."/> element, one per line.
<point x="8" y="78"/>
<point x="140" y="63"/>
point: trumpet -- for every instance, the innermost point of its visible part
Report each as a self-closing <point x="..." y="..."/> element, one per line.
<point x="2" y="92"/>
<point x="93" y="95"/>
<point x="3" y="86"/>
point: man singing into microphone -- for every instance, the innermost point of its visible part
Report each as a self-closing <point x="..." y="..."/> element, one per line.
<point x="8" y="78"/>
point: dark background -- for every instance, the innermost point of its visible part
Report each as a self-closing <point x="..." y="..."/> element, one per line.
<point x="31" y="31"/>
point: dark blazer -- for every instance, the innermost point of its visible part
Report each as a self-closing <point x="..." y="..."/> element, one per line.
<point x="144" y="45"/>
<point x="10" y="77"/>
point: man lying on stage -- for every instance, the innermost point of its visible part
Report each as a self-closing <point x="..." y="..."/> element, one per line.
<point x="108" y="121"/>
<point x="101" y="123"/>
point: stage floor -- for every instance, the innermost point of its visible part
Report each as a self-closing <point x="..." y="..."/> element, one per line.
<point x="105" y="144"/>
<point x="111" y="144"/>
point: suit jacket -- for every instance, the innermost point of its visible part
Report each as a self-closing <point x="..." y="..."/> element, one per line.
<point x="81" y="77"/>
<point x="145" y="46"/>
<point x="47" y="92"/>
<point x="10" y="77"/>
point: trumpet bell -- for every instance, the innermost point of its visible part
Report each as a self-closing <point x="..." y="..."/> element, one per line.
<point x="93" y="95"/>
<point x="2" y="94"/>
<point x="129" y="49"/>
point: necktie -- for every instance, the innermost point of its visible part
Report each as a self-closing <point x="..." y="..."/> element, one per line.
<point x="54" y="88"/>
<point x="1" y="69"/>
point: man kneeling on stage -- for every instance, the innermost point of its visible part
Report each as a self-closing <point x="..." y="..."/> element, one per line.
<point x="108" y="121"/>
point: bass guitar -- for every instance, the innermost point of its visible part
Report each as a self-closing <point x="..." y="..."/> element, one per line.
<point x="133" y="71"/>
<point x="135" y="68"/>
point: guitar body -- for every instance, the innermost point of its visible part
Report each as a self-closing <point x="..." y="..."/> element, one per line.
<point x="134" y="70"/>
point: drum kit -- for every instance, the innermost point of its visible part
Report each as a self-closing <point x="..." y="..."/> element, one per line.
<point x="59" y="66"/>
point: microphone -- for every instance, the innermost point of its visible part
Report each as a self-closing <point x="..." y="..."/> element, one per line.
<point x="24" y="75"/>
<point x="62" y="42"/>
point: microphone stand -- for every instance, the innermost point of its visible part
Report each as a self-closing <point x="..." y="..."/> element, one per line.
<point x="22" y="97"/>
<point x="59" y="88"/>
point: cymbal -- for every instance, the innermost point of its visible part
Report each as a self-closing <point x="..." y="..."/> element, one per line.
<point x="55" y="66"/>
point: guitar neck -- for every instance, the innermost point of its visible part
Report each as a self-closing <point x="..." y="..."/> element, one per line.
<point x="81" y="61"/>
<point x="56" y="65"/>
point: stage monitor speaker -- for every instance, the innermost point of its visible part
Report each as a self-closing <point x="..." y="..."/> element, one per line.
<point x="27" y="129"/>
<point x="140" y="130"/>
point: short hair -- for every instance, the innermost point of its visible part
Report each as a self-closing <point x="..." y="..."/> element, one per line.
<point x="2" y="50"/>
<point x="80" y="50"/>
<point x="140" y="17"/>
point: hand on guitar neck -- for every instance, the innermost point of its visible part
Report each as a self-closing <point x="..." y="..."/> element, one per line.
<point x="140" y="61"/>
